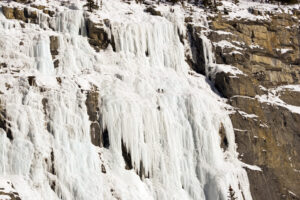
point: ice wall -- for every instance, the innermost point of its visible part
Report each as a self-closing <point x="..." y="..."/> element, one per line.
<point x="167" y="119"/>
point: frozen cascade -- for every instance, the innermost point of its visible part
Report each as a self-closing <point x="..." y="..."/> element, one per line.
<point x="168" y="120"/>
<point x="43" y="56"/>
<point x="208" y="56"/>
<point x="148" y="42"/>
<point x="71" y="22"/>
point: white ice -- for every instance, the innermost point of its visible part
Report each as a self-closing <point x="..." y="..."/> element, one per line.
<point x="168" y="120"/>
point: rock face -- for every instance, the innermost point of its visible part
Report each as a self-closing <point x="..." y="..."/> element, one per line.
<point x="54" y="45"/>
<point x="230" y="86"/>
<point x="98" y="37"/>
<point x="25" y="14"/>
<point x="92" y="104"/>
<point x="268" y="53"/>
<point x="197" y="62"/>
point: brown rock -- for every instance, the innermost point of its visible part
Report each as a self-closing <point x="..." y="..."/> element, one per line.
<point x="188" y="19"/>
<point x="103" y="170"/>
<point x="54" y="45"/>
<point x="19" y="14"/>
<point x="98" y="37"/>
<point x="290" y="97"/>
<point x="229" y="85"/>
<point x="152" y="11"/>
<point x="271" y="140"/>
<point x="8" y="12"/>
<point x="95" y="131"/>
<point x="49" y="12"/>
<point x="98" y="137"/>
<point x="11" y="195"/>
<point x="56" y="63"/>
<point x="247" y="104"/>
<point x="92" y="104"/>
<point x="40" y="7"/>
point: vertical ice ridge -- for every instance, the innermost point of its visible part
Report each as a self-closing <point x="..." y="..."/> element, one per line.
<point x="43" y="56"/>
<point x="148" y="40"/>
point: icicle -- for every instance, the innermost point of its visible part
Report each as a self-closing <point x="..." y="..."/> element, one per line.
<point x="147" y="41"/>
<point x="71" y="22"/>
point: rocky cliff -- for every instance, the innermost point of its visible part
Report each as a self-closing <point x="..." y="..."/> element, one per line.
<point x="265" y="96"/>
<point x="149" y="101"/>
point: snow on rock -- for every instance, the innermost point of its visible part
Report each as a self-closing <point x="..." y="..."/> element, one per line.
<point x="242" y="10"/>
<point x="283" y="51"/>
<point x="212" y="68"/>
<point x="272" y="97"/>
<point x="225" y="44"/>
<point x="7" y="191"/>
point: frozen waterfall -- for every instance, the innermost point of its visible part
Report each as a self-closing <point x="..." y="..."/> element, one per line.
<point x="164" y="119"/>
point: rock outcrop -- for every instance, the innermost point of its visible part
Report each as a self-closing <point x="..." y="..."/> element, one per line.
<point x="27" y="15"/>
<point x="92" y="104"/>
<point x="54" y="45"/>
<point x="98" y="36"/>
<point x="268" y="53"/>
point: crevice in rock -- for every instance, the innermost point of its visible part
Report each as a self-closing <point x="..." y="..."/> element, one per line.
<point x="147" y="53"/>
<point x="45" y="104"/>
<point x="4" y="124"/>
<point x="224" y="140"/>
<point x="52" y="170"/>
<point x="103" y="170"/>
<point x="127" y="157"/>
<point x="231" y="194"/>
<point x="53" y="185"/>
<point x="142" y="172"/>
<point x="32" y="80"/>
<point x="197" y="61"/>
<point x="181" y="37"/>
<point x="105" y="139"/>
<point x="58" y="79"/>
<point x="129" y="165"/>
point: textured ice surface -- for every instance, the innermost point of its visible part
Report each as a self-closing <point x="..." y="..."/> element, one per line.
<point x="168" y="120"/>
